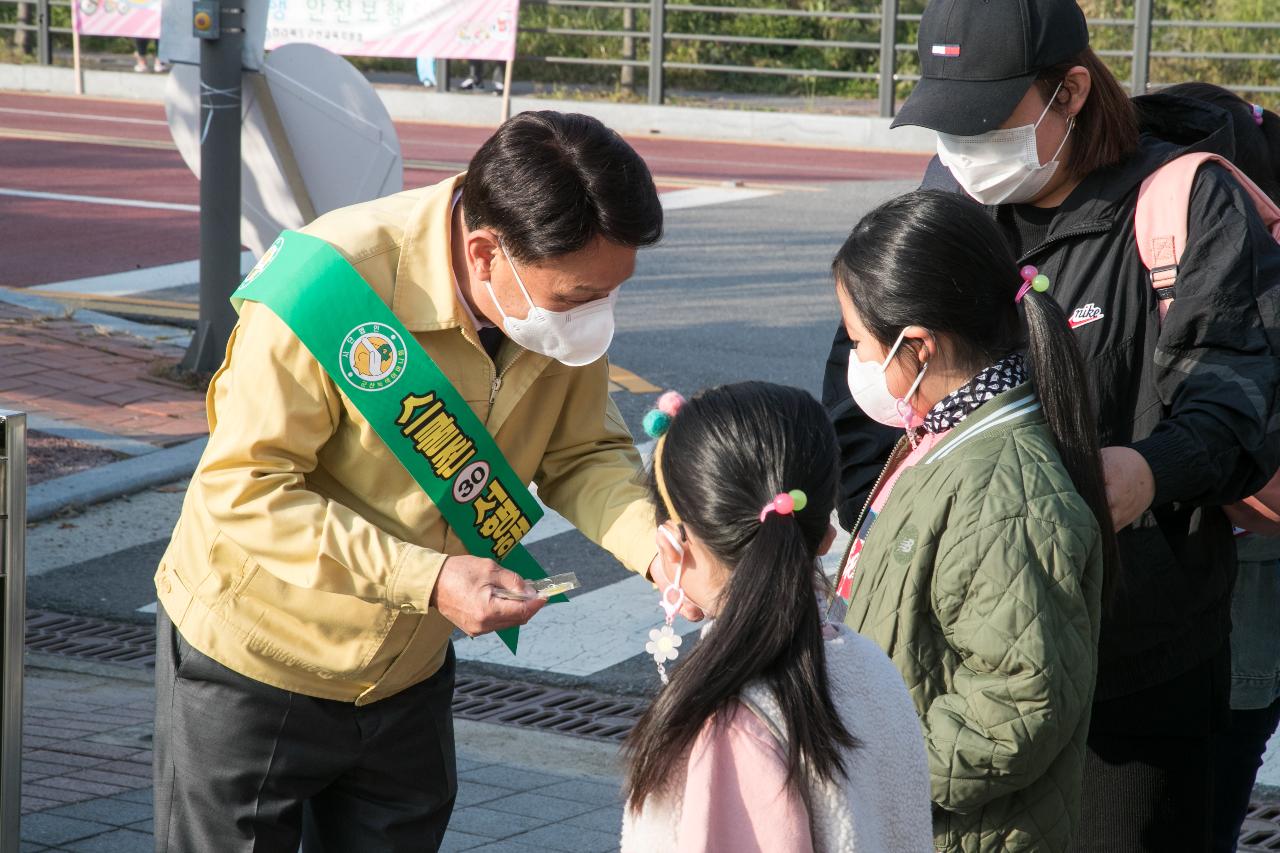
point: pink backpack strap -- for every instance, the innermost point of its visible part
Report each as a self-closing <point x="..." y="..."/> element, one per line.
<point x="1160" y="220"/>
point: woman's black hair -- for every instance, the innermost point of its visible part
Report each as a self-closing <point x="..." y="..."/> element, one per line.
<point x="1257" y="145"/>
<point x="728" y="452"/>
<point x="937" y="260"/>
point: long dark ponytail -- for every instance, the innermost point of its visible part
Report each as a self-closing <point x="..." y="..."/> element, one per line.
<point x="1257" y="142"/>
<point x="728" y="452"/>
<point x="937" y="260"/>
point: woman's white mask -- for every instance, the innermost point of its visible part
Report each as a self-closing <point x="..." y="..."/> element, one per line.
<point x="1001" y="166"/>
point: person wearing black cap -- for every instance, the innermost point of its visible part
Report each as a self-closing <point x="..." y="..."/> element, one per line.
<point x="1030" y="122"/>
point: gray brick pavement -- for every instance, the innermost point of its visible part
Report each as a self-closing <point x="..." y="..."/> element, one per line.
<point x="87" y="776"/>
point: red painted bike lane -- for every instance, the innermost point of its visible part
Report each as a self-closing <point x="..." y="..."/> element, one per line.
<point x="85" y="150"/>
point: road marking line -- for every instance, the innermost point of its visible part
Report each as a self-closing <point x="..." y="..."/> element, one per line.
<point x="97" y="199"/>
<point x="624" y="378"/>
<point x="138" y="281"/>
<point x="85" y="116"/>
<point x="703" y="196"/>
<point x="597" y="630"/>
<point x="87" y="139"/>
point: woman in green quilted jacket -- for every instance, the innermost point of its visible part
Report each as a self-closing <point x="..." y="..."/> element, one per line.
<point x="979" y="560"/>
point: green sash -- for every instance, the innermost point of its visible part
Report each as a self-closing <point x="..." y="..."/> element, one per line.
<point x="405" y="397"/>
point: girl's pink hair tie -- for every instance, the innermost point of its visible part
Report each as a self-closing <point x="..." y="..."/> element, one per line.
<point x="785" y="503"/>
<point x="1031" y="280"/>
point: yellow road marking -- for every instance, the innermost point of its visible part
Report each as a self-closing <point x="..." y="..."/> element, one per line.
<point x="630" y="381"/>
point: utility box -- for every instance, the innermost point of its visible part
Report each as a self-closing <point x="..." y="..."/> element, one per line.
<point x="13" y="618"/>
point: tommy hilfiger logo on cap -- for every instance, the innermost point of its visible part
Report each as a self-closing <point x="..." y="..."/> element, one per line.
<point x="946" y="50"/>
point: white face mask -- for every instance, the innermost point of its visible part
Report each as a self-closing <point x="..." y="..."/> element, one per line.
<point x="575" y="337"/>
<point x="870" y="389"/>
<point x="1001" y="166"/>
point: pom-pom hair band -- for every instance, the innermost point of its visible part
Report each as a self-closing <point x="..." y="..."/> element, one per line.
<point x="1032" y="279"/>
<point x="785" y="503"/>
<point x="656" y="423"/>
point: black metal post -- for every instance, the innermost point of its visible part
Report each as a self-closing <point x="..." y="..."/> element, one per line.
<point x="888" y="58"/>
<point x="13" y="598"/>
<point x="657" y="50"/>
<point x="220" y="120"/>
<point x="44" y="45"/>
<point x="1141" y="47"/>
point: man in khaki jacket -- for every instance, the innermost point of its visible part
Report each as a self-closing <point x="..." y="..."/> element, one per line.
<point x="305" y="670"/>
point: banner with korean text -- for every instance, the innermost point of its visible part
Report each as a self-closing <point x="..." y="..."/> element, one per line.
<point x="128" y="18"/>
<point x="445" y="29"/>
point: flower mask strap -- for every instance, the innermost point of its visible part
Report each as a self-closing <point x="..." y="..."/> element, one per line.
<point x="664" y="643"/>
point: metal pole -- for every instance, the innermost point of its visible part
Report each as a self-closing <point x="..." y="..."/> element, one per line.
<point x="627" y="77"/>
<point x="442" y="75"/>
<point x="1141" y="46"/>
<point x="220" y="119"/>
<point x="44" y="47"/>
<point x="657" y="49"/>
<point x="21" y="36"/>
<point x="13" y="603"/>
<point x="888" y="57"/>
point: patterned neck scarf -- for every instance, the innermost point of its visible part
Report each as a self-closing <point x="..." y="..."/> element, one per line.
<point x="1006" y="374"/>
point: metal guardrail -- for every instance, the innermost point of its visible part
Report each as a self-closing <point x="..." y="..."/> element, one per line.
<point x="656" y="25"/>
<point x="13" y="528"/>
<point x="640" y="39"/>
<point x="33" y="17"/>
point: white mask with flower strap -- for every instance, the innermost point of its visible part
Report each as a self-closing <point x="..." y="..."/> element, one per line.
<point x="664" y="643"/>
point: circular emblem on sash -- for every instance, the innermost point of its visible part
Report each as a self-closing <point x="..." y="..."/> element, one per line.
<point x="373" y="356"/>
<point x="267" y="257"/>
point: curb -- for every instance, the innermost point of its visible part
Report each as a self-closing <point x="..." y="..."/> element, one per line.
<point x="156" y="334"/>
<point x="99" y="669"/>
<point x="114" y="480"/>
<point x="416" y="104"/>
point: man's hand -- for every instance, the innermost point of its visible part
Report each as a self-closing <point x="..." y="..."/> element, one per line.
<point x="464" y="595"/>
<point x="688" y="610"/>
<point x="1130" y="484"/>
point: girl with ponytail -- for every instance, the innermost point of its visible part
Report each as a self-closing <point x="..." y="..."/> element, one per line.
<point x="778" y="732"/>
<point x="980" y="559"/>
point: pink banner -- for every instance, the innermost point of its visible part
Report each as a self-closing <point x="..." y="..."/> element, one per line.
<point x="130" y="18"/>
<point x="443" y="29"/>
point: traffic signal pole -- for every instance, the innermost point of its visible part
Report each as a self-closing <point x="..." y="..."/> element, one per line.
<point x="219" y="26"/>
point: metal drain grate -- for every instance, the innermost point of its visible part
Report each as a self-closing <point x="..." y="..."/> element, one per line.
<point x="1261" y="831"/>
<point x="570" y="712"/>
<point x="516" y="703"/>
<point x="91" y="639"/>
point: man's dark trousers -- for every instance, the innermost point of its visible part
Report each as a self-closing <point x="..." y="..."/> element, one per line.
<point x="243" y="766"/>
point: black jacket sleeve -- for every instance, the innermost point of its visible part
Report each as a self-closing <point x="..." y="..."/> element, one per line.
<point x="939" y="177"/>
<point x="1215" y="364"/>
<point x="864" y="444"/>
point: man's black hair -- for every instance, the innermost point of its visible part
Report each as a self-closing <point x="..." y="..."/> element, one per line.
<point x="549" y="183"/>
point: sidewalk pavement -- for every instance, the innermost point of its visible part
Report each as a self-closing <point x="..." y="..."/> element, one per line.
<point x="86" y="780"/>
<point x="72" y="371"/>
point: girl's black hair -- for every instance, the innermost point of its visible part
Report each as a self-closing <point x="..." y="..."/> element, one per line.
<point x="728" y="452"/>
<point x="1257" y="146"/>
<point x="937" y="260"/>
